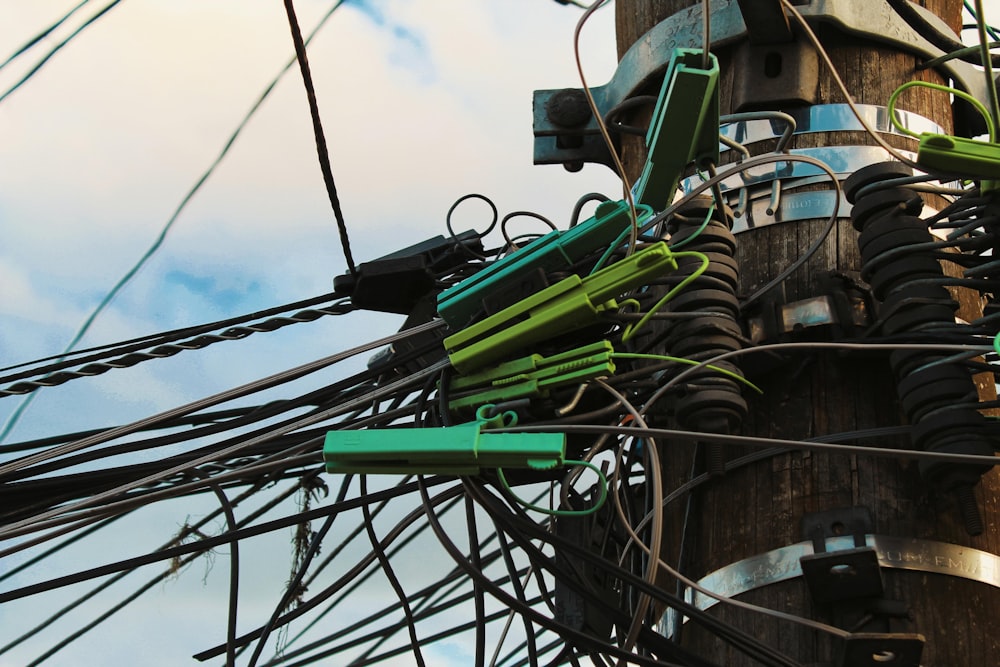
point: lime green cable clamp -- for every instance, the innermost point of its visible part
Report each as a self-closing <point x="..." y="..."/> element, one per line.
<point x="533" y="375"/>
<point x="570" y="304"/>
<point x="954" y="155"/>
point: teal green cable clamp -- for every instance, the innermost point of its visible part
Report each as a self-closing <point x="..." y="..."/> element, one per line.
<point x="554" y="251"/>
<point x="684" y="128"/>
<point x="450" y="450"/>
<point x="533" y="375"/>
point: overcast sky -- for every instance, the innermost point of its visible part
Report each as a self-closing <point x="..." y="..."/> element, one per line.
<point x="422" y="102"/>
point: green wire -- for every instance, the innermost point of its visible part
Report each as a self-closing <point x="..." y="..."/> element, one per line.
<point x="632" y="329"/>
<point x="990" y="29"/>
<point x="689" y="362"/>
<point x="611" y="248"/>
<point x="708" y="219"/>
<point x="980" y="107"/>
<point x="987" y="66"/>
<point x="545" y="510"/>
<point x="961" y="53"/>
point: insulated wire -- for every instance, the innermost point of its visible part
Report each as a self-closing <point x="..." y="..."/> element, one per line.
<point x="43" y="34"/>
<point x="790" y="8"/>
<point x="143" y="342"/>
<point x="349" y="575"/>
<point x="94" y="622"/>
<point x="751" y="441"/>
<point x="619" y="167"/>
<point x="16" y="416"/>
<point x="991" y="87"/>
<point x="18" y="527"/>
<point x="479" y="596"/>
<point x="234" y="576"/>
<point x="425" y="595"/>
<point x="520" y="533"/>
<point x="393" y="579"/>
<point x="37" y="66"/>
<point x="201" y="545"/>
<point x="162" y="351"/>
<point x="215" y="399"/>
<point x="506" y="598"/>
<point x="321" y="148"/>
<point x="650" y="450"/>
<point x="293" y="585"/>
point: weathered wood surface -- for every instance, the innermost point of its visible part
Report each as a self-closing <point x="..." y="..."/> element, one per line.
<point x="758" y="508"/>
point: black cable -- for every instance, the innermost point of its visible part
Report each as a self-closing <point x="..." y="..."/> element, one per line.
<point x="234" y="577"/>
<point x="68" y="639"/>
<point x="519" y="593"/>
<point x="321" y="149"/>
<point x="43" y="34"/>
<point x="343" y="631"/>
<point x="391" y="576"/>
<point x="55" y="549"/>
<point x="350" y="574"/>
<point x="209" y="542"/>
<point x="639" y="101"/>
<point x="425" y="595"/>
<point x="293" y="586"/>
<point x="580" y="637"/>
<point x="320" y="398"/>
<point x="161" y="351"/>
<point x="523" y="530"/>
<point x="480" y="596"/>
<point x="143" y="342"/>
<point x="445" y="634"/>
<point x="37" y="66"/>
<point x="574" y="218"/>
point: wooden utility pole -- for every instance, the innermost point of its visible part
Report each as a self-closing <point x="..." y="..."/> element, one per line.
<point x="758" y="508"/>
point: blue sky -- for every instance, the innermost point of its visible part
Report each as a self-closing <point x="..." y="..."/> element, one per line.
<point x="422" y="103"/>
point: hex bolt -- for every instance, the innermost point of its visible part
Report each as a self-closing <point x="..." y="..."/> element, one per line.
<point x="568" y="108"/>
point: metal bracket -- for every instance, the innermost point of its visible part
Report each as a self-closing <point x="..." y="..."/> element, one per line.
<point x="879" y="650"/>
<point x="844" y="309"/>
<point x="766" y="21"/>
<point x="841" y="574"/>
<point x="783" y="564"/>
<point x="770" y="76"/>
<point x="644" y="63"/>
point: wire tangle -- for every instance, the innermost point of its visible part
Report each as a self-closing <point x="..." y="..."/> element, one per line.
<point x="549" y="424"/>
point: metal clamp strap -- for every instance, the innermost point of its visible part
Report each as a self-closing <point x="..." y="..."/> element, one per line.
<point x="898" y="553"/>
<point x="829" y="118"/>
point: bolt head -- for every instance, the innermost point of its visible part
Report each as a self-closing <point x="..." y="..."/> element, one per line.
<point x="568" y="108"/>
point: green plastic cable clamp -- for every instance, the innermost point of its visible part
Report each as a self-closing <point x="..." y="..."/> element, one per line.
<point x="957" y="155"/>
<point x="684" y="128"/>
<point x="449" y="450"/>
<point x="570" y="304"/>
<point x="533" y="375"/>
<point x="554" y="251"/>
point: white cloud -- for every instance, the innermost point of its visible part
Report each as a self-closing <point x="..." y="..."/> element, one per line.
<point x="420" y="107"/>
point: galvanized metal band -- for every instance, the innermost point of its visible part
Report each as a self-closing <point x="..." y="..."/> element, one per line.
<point x="842" y="160"/>
<point x="893" y="552"/>
<point x="791" y="208"/>
<point x="828" y="118"/>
